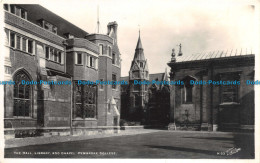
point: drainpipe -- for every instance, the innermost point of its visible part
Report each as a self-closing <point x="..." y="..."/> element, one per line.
<point x="71" y="105"/>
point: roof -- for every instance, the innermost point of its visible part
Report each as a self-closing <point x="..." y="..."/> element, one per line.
<point x="37" y="12"/>
<point x="214" y="55"/>
<point x="125" y="78"/>
<point x="157" y="76"/>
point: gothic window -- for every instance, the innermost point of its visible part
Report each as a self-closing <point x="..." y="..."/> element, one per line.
<point x="187" y="90"/>
<point x="141" y="64"/>
<point x="188" y="93"/>
<point x="78" y="100"/>
<point x="85" y="101"/>
<point x="22" y="95"/>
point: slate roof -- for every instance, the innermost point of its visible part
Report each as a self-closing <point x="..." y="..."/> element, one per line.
<point x="37" y="12"/>
<point x="215" y="55"/>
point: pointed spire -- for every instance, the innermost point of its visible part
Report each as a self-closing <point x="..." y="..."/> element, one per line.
<point x="139" y="43"/>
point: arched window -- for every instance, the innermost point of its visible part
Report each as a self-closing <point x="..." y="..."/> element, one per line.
<point x="188" y="89"/>
<point x="22" y="95"/>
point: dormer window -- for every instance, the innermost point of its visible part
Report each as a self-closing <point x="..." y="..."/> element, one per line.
<point x="12" y="9"/>
<point x="18" y="11"/>
<point x="48" y="26"/>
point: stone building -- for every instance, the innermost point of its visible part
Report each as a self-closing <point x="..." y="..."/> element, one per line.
<point x="41" y="46"/>
<point x="207" y="106"/>
<point x="144" y="103"/>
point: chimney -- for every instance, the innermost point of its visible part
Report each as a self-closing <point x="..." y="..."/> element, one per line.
<point x="110" y="26"/>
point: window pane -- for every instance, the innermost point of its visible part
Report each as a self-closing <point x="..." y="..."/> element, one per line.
<point x="22" y="96"/>
<point x="18" y="42"/>
<point x="101" y="49"/>
<point x="55" y="56"/>
<point x="30" y="46"/>
<point x="22" y="13"/>
<point x="113" y="58"/>
<point x="24" y="44"/>
<point x="12" y="9"/>
<point x="6" y="7"/>
<point x="79" y="57"/>
<point x="91" y="62"/>
<point x="47" y="52"/>
<point x="59" y="56"/>
<point x="12" y="38"/>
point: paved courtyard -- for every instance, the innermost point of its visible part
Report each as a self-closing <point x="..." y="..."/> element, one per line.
<point x="160" y="144"/>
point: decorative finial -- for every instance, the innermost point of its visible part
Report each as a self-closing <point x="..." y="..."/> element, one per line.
<point x="173" y="55"/>
<point x="180" y="52"/>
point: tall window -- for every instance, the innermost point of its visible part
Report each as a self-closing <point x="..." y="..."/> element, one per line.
<point x="12" y="40"/>
<point x="30" y="46"/>
<point x="12" y="8"/>
<point x="23" y="14"/>
<point x="79" y="58"/>
<point x="55" y="55"/>
<point x="114" y="80"/>
<point x="109" y="51"/>
<point x="188" y="93"/>
<point x="59" y="57"/>
<point x="47" y="52"/>
<point x="187" y="90"/>
<point x="101" y="49"/>
<point x="18" y="42"/>
<point x="141" y="64"/>
<point x="114" y="58"/>
<point x="91" y="61"/>
<point x="22" y="95"/>
<point x="24" y="44"/>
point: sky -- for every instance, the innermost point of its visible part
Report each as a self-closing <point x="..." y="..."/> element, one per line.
<point x="203" y="26"/>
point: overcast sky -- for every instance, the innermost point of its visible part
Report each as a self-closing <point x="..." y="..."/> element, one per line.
<point x="200" y="27"/>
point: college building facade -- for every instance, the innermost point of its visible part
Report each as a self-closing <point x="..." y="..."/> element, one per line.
<point x="212" y="107"/>
<point x="41" y="46"/>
